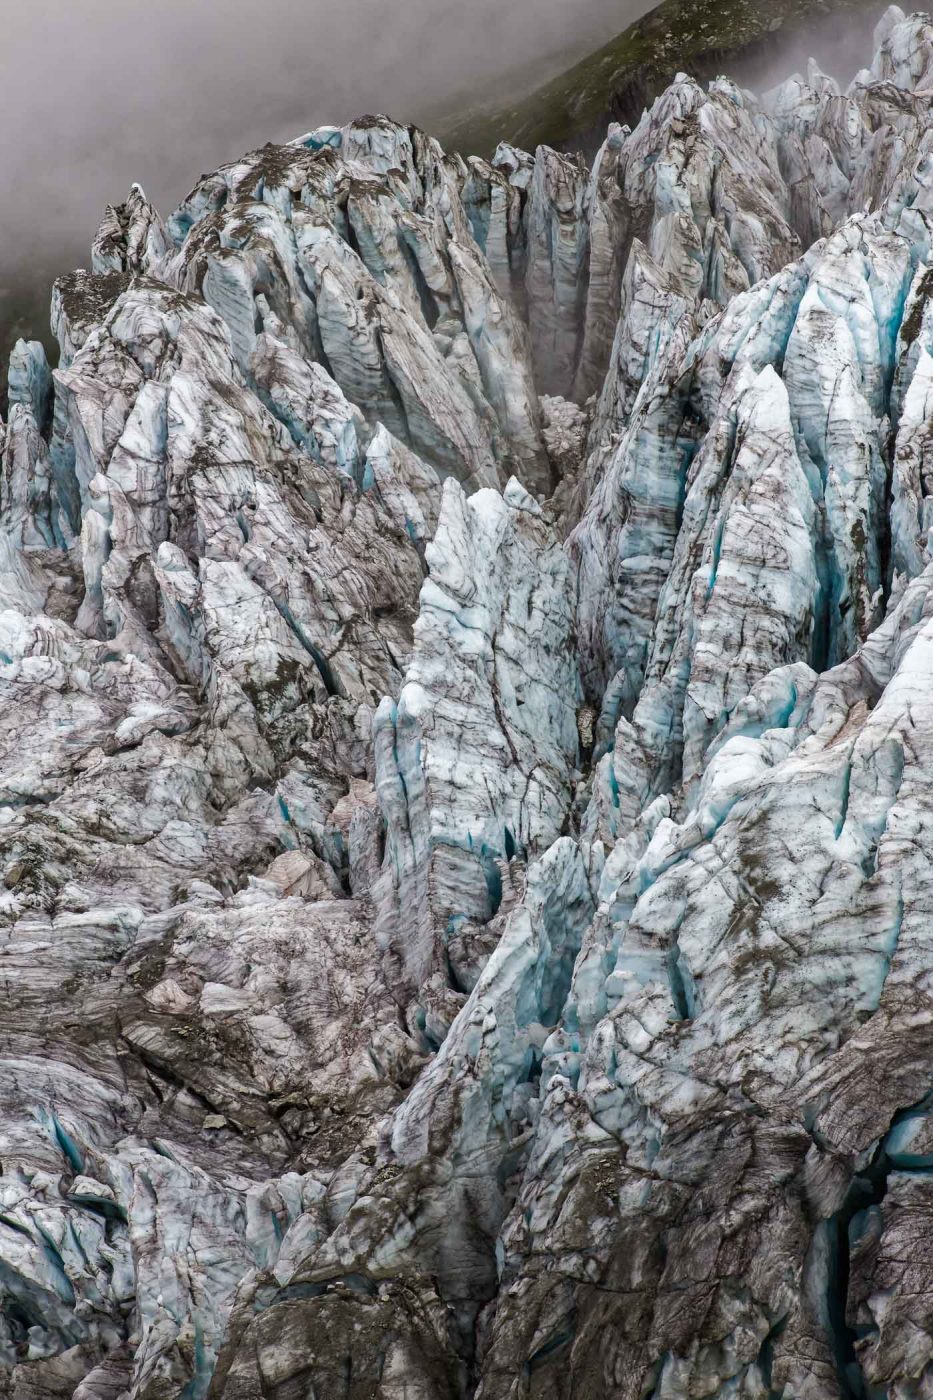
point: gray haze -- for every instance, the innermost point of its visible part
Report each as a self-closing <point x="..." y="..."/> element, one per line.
<point x="98" y="93"/>
<point x="841" y="45"/>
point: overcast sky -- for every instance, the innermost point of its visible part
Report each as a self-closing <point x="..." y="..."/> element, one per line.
<point x="98" y="93"/>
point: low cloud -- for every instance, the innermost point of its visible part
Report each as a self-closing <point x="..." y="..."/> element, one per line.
<point x="98" y="93"/>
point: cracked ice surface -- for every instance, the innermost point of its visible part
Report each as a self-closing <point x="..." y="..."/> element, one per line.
<point x="466" y="640"/>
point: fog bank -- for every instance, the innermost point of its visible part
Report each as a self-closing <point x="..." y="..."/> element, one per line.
<point x="99" y="93"/>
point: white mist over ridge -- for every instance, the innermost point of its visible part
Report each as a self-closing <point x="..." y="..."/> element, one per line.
<point x="99" y="94"/>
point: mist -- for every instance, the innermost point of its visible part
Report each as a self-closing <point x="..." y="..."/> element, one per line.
<point x="99" y="93"/>
<point x="841" y="44"/>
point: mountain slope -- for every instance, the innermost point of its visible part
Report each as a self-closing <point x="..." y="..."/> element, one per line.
<point x="700" y="37"/>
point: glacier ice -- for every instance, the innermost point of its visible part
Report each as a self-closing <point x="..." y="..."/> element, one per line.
<point x="466" y="638"/>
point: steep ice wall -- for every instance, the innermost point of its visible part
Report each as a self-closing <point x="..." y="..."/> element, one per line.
<point x="476" y="761"/>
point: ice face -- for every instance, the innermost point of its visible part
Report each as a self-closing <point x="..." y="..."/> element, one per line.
<point x="475" y="763"/>
<point x="466" y="632"/>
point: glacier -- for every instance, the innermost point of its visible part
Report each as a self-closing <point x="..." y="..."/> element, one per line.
<point x="466" y="779"/>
